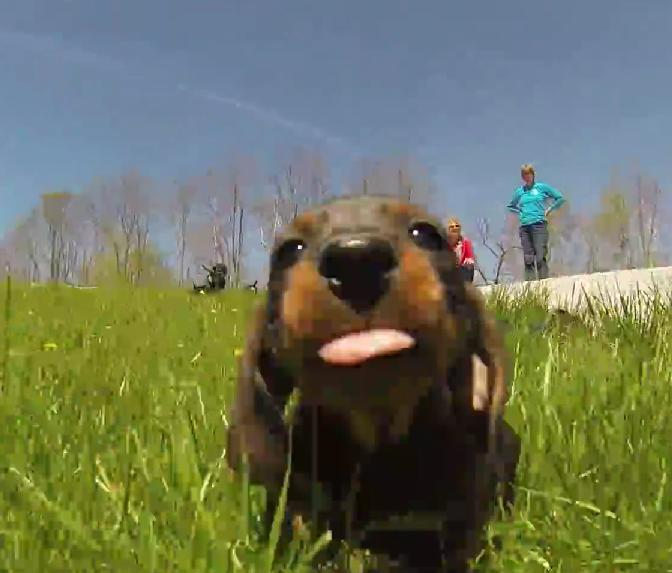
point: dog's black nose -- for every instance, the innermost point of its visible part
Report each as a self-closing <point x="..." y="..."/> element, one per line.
<point x="358" y="270"/>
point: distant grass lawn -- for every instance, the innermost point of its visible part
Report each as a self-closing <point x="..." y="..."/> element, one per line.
<point x="113" y="418"/>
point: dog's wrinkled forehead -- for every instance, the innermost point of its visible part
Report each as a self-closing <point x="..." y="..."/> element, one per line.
<point x="382" y="216"/>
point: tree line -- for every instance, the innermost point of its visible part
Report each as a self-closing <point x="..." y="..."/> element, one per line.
<point x="137" y="230"/>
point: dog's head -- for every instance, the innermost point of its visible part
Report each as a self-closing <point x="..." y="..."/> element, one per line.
<point x="366" y="310"/>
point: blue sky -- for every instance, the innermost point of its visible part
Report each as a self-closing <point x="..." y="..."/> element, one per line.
<point x="472" y="89"/>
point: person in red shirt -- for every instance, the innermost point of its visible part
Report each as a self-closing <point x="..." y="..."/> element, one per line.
<point x="463" y="248"/>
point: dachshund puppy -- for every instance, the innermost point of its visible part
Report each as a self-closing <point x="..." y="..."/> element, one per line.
<point x="401" y="374"/>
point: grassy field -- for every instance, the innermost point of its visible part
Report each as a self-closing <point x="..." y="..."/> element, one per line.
<point x="114" y="411"/>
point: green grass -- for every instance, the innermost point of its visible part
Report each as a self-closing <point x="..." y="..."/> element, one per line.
<point x="114" y="412"/>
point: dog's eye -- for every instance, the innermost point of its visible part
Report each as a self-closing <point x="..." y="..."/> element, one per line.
<point x="427" y="236"/>
<point x="287" y="254"/>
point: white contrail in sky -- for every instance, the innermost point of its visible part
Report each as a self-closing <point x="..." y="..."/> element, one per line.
<point x="55" y="47"/>
<point x="266" y="114"/>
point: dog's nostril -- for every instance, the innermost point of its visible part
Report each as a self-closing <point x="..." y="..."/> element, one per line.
<point x="357" y="270"/>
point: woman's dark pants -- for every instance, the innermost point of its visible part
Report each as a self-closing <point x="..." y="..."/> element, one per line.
<point x="467" y="273"/>
<point x="534" y="242"/>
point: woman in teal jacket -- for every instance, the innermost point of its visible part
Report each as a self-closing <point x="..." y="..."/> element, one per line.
<point x="530" y="203"/>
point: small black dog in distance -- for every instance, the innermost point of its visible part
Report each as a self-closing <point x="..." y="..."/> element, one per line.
<point x="402" y="382"/>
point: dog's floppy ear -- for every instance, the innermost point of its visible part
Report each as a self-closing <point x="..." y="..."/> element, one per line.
<point x="478" y="378"/>
<point x="489" y="368"/>
<point x="257" y="427"/>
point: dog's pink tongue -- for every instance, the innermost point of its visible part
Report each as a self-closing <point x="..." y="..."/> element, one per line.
<point x="360" y="346"/>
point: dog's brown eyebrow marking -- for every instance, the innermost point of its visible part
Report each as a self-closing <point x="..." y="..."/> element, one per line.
<point x="399" y="210"/>
<point x="307" y="223"/>
<point x="424" y="292"/>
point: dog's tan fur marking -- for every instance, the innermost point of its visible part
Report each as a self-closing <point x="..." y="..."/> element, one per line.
<point x="306" y="223"/>
<point x="421" y="288"/>
<point x="301" y="300"/>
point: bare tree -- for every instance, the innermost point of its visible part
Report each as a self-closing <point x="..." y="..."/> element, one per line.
<point x="284" y="205"/>
<point x="135" y="218"/>
<point x="241" y="178"/>
<point x="124" y="215"/>
<point x="238" y="259"/>
<point x="5" y="262"/>
<point x="648" y="194"/>
<point x="500" y="248"/>
<point x="216" y="208"/>
<point x="612" y="224"/>
<point x="311" y="177"/>
<point x="219" y="229"/>
<point x="303" y="181"/>
<point x="183" y="203"/>
<point x="55" y="210"/>
<point x="565" y="243"/>
<point x="234" y="239"/>
<point x="624" y="232"/>
<point x="593" y="260"/>
<point x="399" y="176"/>
<point x="24" y="244"/>
<point x="85" y="234"/>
